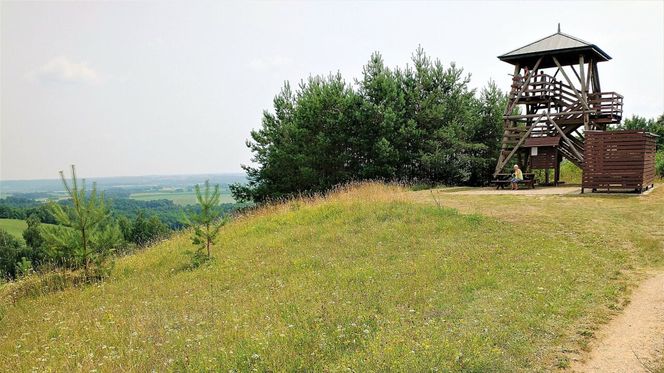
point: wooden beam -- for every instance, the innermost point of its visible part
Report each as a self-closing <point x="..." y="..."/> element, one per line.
<point x="556" y="73"/>
<point x="506" y="123"/>
<point x="582" y="77"/>
<point x="518" y="144"/>
<point x="590" y="73"/>
<point x="584" y="91"/>
<point x="523" y="87"/>
<point x="576" y="91"/>
<point x="565" y="138"/>
<point x="526" y="116"/>
<point x="596" y="87"/>
<point x="575" y="73"/>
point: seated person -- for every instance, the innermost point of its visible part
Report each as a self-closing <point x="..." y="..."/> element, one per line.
<point x="517" y="176"/>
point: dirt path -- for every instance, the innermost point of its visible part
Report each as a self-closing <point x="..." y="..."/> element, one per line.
<point x="632" y="340"/>
<point x="559" y="190"/>
<point x="522" y="191"/>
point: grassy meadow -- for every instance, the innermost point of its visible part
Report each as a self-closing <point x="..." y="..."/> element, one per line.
<point x="375" y="278"/>
<point x="179" y="198"/>
<point x="15" y="227"/>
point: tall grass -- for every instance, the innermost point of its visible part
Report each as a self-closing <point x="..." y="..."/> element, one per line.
<point x="367" y="278"/>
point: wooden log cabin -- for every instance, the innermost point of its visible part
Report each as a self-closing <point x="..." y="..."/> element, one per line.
<point x="555" y="97"/>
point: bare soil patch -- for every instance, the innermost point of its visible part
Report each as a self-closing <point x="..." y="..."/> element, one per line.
<point x="634" y="340"/>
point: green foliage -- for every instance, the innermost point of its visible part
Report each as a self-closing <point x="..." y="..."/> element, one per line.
<point x="207" y="222"/>
<point x="570" y="173"/>
<point x="420" y="123"/>
<point x="144" y="230"/>
<point x="24" y="267"/>
<point x="32" y="234"/>
<point x="21" y="208"/>
<point x="197" y="258"/>
<point x="653" y="125"/>
<point x="11" y="251"/>
<point x="17" y="258"/>
<point x="87" y="235"/>
<point x="34" y="241"/>
<point x="488" y="132"/>
<point x="10" y="212"/>
<point x="167" y="211"/>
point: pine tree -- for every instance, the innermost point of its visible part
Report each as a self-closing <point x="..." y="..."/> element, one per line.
<point x="208" y="221"/>
<point x="88" y="233"/>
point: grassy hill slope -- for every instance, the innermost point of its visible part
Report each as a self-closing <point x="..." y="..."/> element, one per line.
<point x="15" y="227"/>
<point x="376" y="278"/>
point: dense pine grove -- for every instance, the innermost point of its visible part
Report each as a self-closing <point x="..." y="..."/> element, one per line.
<point x="418" y="123"/>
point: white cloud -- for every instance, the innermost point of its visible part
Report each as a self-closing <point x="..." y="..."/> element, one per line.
<point x="62" y="70"/>
<point x="269" y="63"/>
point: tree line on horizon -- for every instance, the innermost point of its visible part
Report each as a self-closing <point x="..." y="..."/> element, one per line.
<point x="419" y="123"/>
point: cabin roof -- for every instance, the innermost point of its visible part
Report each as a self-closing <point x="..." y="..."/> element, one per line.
<point x="565" y="48"/>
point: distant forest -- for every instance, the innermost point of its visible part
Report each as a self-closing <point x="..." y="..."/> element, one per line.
<point x="165" y="210"/>
<point x="420" y="123"/>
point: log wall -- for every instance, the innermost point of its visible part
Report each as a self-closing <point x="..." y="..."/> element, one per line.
<point x="619" y="160"/>
<point x="546" y="158"/>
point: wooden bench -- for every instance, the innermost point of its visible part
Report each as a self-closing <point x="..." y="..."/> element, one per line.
<point x="504" y="180"/>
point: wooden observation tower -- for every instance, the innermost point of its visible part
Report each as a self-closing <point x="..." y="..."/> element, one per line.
<point x="556" y="95"/>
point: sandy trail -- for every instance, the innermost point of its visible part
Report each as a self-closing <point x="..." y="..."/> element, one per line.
<point x="522" y="191"/>
<point x="538" y="191"/>
<point x="632" y="340"/>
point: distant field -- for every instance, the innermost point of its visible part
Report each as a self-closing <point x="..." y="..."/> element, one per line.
<point x="15" y="227"/>
<point x="179" y="198"/>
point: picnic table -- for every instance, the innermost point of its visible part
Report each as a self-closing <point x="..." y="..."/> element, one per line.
<point x="502" y="180"/>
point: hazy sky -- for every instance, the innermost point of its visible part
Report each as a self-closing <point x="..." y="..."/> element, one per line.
<point x="134" y="88"/>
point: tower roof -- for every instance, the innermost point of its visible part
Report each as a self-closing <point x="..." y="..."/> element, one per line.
<point x="565" y="48"/>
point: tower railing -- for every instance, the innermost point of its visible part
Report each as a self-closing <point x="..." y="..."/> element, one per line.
<point x="606" y="104"/>
<point x="543" y="88"/>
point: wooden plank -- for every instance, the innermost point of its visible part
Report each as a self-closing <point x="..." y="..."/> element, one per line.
<point x="523" y="87"/>
<point x="526" y="116"/>
<point x="574" y="90"/>
<point x="618" y="159"/>
<point x="516" y="147"/>
<point x="565" y="138"/>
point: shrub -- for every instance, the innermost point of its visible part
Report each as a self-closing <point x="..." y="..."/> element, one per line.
<point x="659" y="163"/>
<point x="142" y="231"/>
<point x="10" y="253"/>
<point x="570" y="173"/>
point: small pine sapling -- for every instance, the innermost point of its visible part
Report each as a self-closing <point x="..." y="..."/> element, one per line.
<point x="207" y="222"/>
<point x="86" y="232"/>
